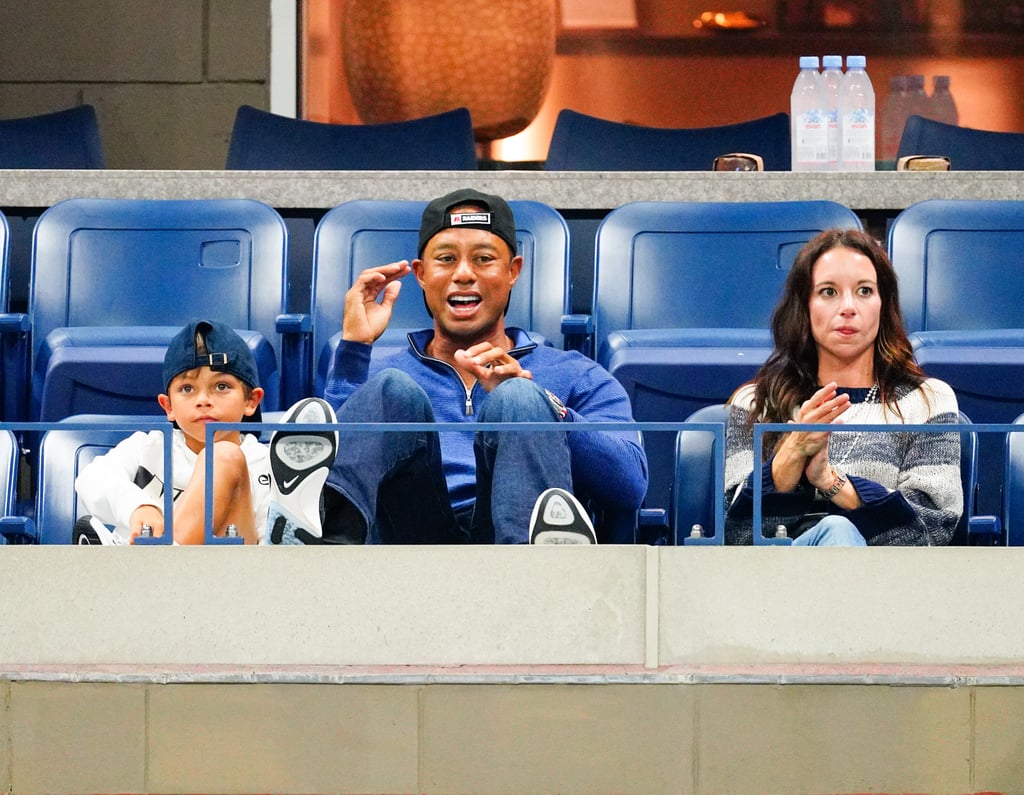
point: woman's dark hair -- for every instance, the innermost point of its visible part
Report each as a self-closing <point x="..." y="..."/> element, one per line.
<point x="790" y="374"/>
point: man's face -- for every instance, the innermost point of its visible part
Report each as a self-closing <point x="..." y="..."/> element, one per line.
<point x="467" y="275"/>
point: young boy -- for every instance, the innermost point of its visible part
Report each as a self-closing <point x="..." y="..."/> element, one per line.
<point x="209" y="376"/>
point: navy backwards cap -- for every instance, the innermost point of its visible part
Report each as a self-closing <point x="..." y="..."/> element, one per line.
<point x="226" y="352"/>
<point x="496" y="216"/>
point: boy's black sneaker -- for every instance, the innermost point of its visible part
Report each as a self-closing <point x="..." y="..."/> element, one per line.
<point x="90" y="531"/>
<point x="558" y="518"/>
<point x="299" y="464"/>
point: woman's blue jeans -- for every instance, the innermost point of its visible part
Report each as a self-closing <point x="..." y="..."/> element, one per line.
<point x="396" y="479"/>
<point x="832" y="531"/>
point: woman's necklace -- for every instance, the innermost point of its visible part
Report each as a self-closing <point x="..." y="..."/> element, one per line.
<point x="871" y="397"/>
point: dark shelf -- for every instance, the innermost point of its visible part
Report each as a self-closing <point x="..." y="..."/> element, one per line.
<point x="774" y="42"/>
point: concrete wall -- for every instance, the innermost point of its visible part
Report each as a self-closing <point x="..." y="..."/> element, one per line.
<point x="480" y="669"/>
<point x="166" y="77"/>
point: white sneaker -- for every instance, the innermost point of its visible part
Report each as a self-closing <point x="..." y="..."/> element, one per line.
<point x="90" y="531"/>
<point x="558" y="518"/>
<point x="299" y="464"/>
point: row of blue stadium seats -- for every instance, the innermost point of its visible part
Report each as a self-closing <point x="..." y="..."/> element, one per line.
<point x="683" y="294"/>
<point x="579" y="142"/>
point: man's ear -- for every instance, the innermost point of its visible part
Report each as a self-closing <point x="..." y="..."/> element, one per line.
<point x="255" y="396"/>
<point x="516" y="267"/>
<point x="417" y="270"/>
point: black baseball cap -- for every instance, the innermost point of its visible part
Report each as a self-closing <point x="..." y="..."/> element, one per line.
<point x="495" y="216"/>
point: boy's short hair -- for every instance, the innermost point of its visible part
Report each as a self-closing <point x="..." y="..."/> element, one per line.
<point x="209" y="343"/>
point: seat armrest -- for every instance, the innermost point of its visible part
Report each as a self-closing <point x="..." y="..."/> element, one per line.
<point x="985" y="531"/>
<point x="14" y="339"/>
<point x="18" y="530"/>
<point x="578" y="333"/>
<point x="296" y="357"/>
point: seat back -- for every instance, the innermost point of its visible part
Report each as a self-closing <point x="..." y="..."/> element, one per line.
<point x="962" y="292"/>
<point x="62" y="455"/>
<point x="1013" y="487"/>
<point x="8" y="472"/>
<point x="262" y="140"/>
<point x="64" y="139"/>
<point x="114" y="279"/>
<point x="363" y="233"/>
<point x="694" y="494"/>
<point x="587" y="143"/>
<point x="968" y="149"/>
<point x="683" y="298"/>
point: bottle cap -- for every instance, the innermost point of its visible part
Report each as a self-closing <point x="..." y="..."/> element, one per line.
<point x="940" y="81"/>
<point x="898" y="83"/>
<point x="832" y="61"/>
<point x="856" y="62"/>
<point x="808" y="61"/>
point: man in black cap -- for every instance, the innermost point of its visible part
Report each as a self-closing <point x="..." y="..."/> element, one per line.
<point x="483" y="487"/>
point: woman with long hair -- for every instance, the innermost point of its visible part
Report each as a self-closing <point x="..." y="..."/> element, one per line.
<point x="842" y="355"/>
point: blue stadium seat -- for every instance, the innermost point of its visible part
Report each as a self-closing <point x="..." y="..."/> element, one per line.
<point x="12" y="528"/>
<point x="695" y="496"/>
<point x="65" y="453"/>
<point x="113" y="280"/>
<point x="13" y="339"/>
<point x="968" y="149"/>
<point x="962" y="293"/>
<point x="262" y="140"/>
<point x="587" y="143"/>
<point x="1013" y="488"/>
<point x="683" y="297"/>
<point x="64" y="139"/>
<point x="363" y="233"/>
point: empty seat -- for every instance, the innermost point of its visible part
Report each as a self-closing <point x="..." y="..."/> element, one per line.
<point x="962" y="291"/>
<point x="968" y="149"/>
<point x="587" y="143"/>
<point x="64" y="139"/>
<point x="361" y="234"/>
<point x="114" y="279"/>
<point x="263" y="140"/>
<point x="683" y="297"/>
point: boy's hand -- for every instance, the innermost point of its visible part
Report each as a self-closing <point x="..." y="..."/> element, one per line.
<point x="365" y="318"/>
<point x="146" y="514"/>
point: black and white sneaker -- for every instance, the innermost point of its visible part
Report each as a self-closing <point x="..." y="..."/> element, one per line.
<point x="558" y="518"/>
<point x="90" y="531"/>
<point x="299" y="464"/>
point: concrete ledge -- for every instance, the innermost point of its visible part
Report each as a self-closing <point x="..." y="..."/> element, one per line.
<point x="624" y="609"/>
<point x="577" y="190"/>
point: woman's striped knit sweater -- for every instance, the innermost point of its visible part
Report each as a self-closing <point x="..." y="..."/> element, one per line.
<point x="909" y="483"/>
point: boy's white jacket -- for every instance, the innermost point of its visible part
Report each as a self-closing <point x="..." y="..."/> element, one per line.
<point x="131" y="474"/>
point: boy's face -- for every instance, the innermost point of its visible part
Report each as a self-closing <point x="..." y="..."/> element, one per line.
<point x="200" y="396"/>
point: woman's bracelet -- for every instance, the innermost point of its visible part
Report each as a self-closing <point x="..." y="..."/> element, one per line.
<point x="837" y="484"/>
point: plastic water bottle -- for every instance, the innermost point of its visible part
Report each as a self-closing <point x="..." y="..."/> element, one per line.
<point x="857" y="114"/>
<point x="832" y="80"/>
<point x="941" y="105"/>
<point x="917" y="100"/>
<point x="894" y="117"/>
<point x="808" y="118"/>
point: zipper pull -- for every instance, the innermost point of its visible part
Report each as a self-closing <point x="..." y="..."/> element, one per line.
<point x="469" y="403"/>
